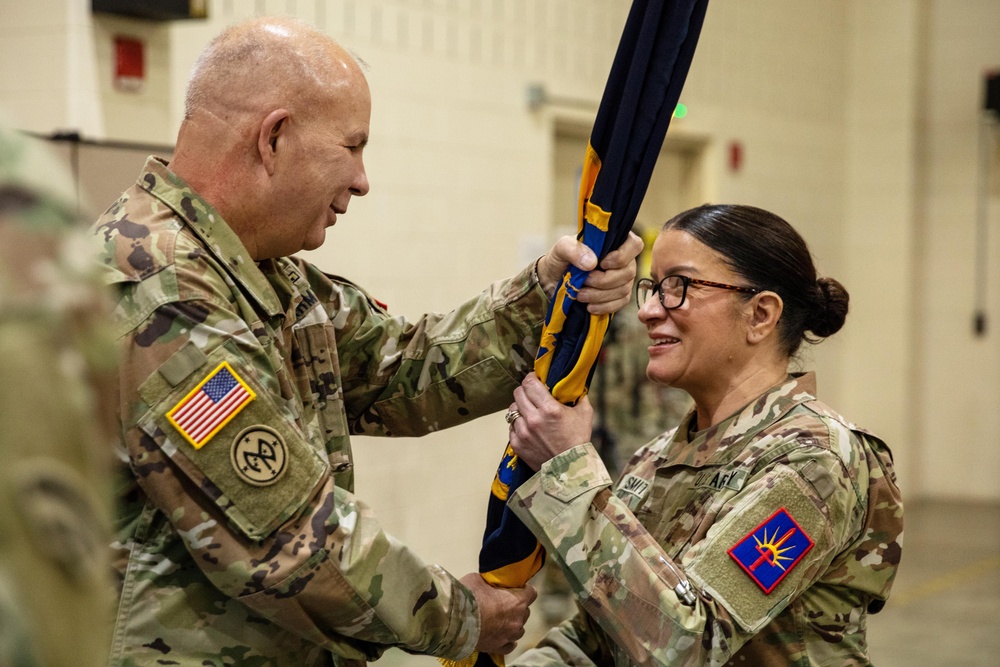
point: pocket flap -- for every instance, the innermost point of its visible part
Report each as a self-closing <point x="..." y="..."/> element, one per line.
<point x="222" y="428"/>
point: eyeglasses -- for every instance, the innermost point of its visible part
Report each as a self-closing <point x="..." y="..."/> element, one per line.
<point x="673" y="290"/>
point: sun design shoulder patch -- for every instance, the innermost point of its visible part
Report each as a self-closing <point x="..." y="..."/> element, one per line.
<point x="210" y="405"/>
<point x="770" y="551"/>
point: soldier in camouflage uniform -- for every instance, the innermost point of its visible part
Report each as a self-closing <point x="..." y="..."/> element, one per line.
<point x="245" y="371"/>
<point x="761" y="531"/>
<point x="56" y="412"/>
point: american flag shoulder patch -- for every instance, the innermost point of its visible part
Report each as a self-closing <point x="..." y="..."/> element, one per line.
<point x="210" y="405"/>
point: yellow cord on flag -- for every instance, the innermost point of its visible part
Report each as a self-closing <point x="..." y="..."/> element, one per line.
<point x="471" y="661"/>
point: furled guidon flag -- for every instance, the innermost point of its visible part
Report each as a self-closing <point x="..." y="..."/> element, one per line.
<point x="209" y="406"/>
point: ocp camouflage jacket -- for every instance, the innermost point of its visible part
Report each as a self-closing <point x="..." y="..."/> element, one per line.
<point x="240" y="540"/>
<point x="785" y="521"/>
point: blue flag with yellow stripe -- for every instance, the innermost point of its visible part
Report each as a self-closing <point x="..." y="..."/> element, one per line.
<point x="642" y="91"/>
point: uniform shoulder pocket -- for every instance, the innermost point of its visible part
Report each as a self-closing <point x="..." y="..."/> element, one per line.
<point x="764" y="551"/>
<point x="213" y="418"/>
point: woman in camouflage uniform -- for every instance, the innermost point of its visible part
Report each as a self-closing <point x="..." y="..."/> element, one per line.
<point x="762" y="530"/>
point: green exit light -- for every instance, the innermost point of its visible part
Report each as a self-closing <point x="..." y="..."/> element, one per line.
<point x="680" y="111"/>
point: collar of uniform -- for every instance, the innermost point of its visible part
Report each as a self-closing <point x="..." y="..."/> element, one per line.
<point x="209" y="226"/>
<point x="763" y="410"/>
<point x="290" y="285"/>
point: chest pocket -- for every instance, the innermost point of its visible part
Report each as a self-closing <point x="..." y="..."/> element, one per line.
<point x="221" y="427"/>
<point x="683" y="501"/>
<point x="316" y="369"/>
<point x="674" y="506"/>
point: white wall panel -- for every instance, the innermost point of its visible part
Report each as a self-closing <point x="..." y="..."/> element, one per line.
<point x="958" y="408"/>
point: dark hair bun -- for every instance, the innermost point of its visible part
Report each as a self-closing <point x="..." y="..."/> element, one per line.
<point x="829" y="308"/>
<point x="767" y="252"/>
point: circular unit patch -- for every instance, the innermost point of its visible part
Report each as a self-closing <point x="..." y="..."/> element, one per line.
<point x="259" y="455"/>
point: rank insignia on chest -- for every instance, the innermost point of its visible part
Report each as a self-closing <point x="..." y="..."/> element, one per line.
<point x="770" y="551"/>
<point x="211" y="405"/>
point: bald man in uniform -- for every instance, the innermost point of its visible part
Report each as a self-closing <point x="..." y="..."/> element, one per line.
<point x="244" y="372"/>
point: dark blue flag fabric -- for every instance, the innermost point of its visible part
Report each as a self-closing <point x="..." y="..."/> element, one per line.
<point x="643" y="88"/>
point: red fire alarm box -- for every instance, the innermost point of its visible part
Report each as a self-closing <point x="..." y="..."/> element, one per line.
<point x="130" y="64"/>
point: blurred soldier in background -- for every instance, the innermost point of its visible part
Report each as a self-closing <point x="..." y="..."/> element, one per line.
<point x="56" y="416"/>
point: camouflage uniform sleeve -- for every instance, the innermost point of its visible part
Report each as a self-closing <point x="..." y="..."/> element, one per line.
<point x="628" y="584"/>
<point x="297" y="549"/>
<point x="410" y="378"/>
<point x="56" y="412"/>
<point x="575" y="642"/>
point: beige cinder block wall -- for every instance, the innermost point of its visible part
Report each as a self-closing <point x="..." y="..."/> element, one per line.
<point x="877" y="232"/>
<point x="957" y="398"/>
<point x="857" y="122"/>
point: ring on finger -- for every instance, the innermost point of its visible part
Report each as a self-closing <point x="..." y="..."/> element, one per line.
<point x="511" y="416"/>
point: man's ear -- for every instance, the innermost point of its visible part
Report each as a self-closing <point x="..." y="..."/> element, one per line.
<point x="271" y="138"/>
<point x="765" y="311"/>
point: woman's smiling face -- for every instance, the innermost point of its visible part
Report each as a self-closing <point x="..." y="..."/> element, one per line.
<point x="697" y="346"/>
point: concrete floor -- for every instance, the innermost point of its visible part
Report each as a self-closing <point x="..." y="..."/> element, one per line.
<point x="945" y="606"/>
